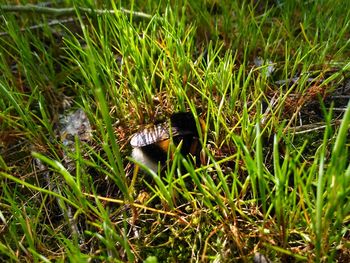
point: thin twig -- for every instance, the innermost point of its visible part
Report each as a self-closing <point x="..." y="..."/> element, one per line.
<point x="133" y="204"/>
<point x="312" y="127"/>
<point x="293" y="118"/>
<point x="50" y="23"/>
<point x="340" y="97"/>
<point x="338" y="109"/>
<point x="29" y="8"/>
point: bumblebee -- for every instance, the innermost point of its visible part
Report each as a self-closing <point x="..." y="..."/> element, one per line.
<point x="151" y="145"/>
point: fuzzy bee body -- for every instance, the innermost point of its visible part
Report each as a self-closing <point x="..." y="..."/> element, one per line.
<point x="151" y="145"/>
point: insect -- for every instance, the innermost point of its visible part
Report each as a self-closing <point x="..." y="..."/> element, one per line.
<point x="151" y="145"/>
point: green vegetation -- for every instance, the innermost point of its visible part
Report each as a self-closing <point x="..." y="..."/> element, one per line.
<point x="268" y="77"/>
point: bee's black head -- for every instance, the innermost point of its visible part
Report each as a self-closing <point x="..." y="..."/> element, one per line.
<point x="185" y="122"/>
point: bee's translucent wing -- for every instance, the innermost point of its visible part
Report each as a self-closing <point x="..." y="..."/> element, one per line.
<point x="156" y="134"/>
<point x="151" y="135"/>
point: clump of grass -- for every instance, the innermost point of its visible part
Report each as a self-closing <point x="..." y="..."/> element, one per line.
<point x="265" y="187"/>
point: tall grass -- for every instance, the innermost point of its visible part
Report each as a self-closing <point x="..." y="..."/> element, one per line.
<point x="264" y="187"/>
